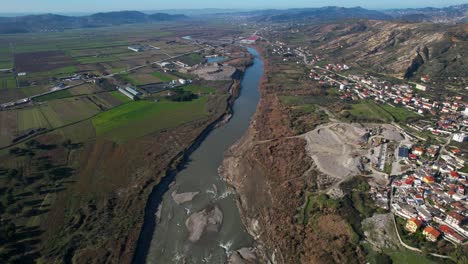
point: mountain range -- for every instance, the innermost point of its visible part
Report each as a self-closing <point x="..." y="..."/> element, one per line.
<point x="52" y="22"/>
<point x="451" y="14"/>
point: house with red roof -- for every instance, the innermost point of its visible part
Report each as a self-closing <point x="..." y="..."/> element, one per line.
<point x="450" y="234"/>
<point x="413" y="224"/>
<point x="431" y="233"/>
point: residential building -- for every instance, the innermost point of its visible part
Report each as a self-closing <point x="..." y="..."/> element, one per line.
<point x="455" y="218"/>
<point x="431" y="233"/>
<point x="450" y="234"/>
<point x="413" y="224"/>
<point x="459" y="137"/>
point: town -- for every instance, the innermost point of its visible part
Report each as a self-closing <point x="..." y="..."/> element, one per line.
<point x="426" y="177"/>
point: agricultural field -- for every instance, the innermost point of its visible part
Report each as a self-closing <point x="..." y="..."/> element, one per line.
<point x="5" y="64"/>
<point x="197" y="89"/>
<point x="192" y="59"/>
<point x="53" y="96"/>
<point x="31" y="118"/>
<point x="69" y="110"/>
<point x="107" y="100"/>
<point x="163" y="77"/>
<point x="7" y="95"/>
<point x="139" y="118"/>
<point x="8" y="126"/>
<point x="138" y="79"/>
<point x="75" y="168"/>
<point x="33" y="90"/>
<point x="41" y="61"/>
<point x="86" y="88"/>
<point x="368" y="111"/>
<point x="120" y="96"/>
<point x="400" y="114"/>
<point x="7" y="82"/>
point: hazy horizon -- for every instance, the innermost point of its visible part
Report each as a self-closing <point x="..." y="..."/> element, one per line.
<point x="89" y="6"/>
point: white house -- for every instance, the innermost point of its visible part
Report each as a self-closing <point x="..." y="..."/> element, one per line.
<point x="459" y="137"/>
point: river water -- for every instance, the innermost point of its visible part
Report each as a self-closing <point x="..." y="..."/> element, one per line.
<point x="169" y="243"/>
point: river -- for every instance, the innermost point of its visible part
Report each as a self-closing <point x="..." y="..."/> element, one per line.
<point x="169" y="243"/>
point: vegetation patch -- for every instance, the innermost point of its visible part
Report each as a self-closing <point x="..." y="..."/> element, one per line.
<point x="53" y="96"/>
<point x="197" y="89"/>
<point x="120" y="96"/>
<point x="163" y="76"/>
<point x="138" y="118"/>
<point x="7" y="83"/>
<point x="367" y="111"/>
<point x="192" y="59"/>
<point x="31" y="118"/>
<point x="400" y="114"/>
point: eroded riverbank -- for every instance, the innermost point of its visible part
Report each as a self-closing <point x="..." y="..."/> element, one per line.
<point x="207" y="227"/>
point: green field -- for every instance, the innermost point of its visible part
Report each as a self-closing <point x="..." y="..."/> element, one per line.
<point x="69" y="110"/>
<point x="129" y="79"/>
<point x="196" y="89"/>
<point x="6" y="64"/>
<point x="400" y="114"/>
<point x="64" y="71"/>
<point x="191" y="59"/>
<point x="408" y="257"/>
<point x="85" y="89"/>
<point x="139" y="118"/>
<point x="31" y="118"/>
<point x="8" y="82"/>
<point x="53" y="96"/>
<point x="290" y="100"/>
<point x="120" y="96"/>
<point x="163" y="76"/>
<point x="368" y="111"/>
<point x="96" y="59"/>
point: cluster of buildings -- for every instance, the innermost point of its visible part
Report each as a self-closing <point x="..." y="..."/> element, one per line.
<point x="250" y="40"/>
<point x="300" y="54"/>
<point x="452" y="112"/>
<point x="449" y="115"/>
<point x="128" y="91"/>
<point x="15" y="103"/>
<point x="433" y="198"/>
<point x="337" y="67"/>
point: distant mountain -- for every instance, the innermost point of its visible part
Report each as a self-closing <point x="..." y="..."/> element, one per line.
<point x="323" y="14"/>
<point x="51" y="22"/>
<point x="451" y="14"/>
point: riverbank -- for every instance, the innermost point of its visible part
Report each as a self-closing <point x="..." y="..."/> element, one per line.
<point x="273" y="175"/>
<point x="177" y="165"/>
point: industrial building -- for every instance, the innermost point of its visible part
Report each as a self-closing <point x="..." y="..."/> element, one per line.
<point x="124" y="91"/>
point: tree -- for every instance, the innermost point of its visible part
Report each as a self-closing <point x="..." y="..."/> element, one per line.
<point x="10" y="199"/>
<point x="33" y="144"/>
<point x="181" y="95"/>
<point x="460" y="255"/>
<point x="7" y="232"/>
<point x="67" y="144"/>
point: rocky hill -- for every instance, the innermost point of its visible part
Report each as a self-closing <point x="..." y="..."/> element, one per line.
<point x="404" y="50"/>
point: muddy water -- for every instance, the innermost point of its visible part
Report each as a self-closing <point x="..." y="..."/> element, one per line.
<point x="170" y="242"/>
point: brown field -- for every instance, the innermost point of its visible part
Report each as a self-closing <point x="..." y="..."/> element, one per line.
<point x="7" y="95"/>
<point x="34" y="61"/>
<point x="85" y="89"/>
<point x="105" y="100"/>
<point x="8" y="126"/>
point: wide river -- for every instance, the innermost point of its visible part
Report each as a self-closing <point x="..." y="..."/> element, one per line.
<point x="169" y="243"/>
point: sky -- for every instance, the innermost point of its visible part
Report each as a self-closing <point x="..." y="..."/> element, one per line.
<point x="63" y="6"/>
